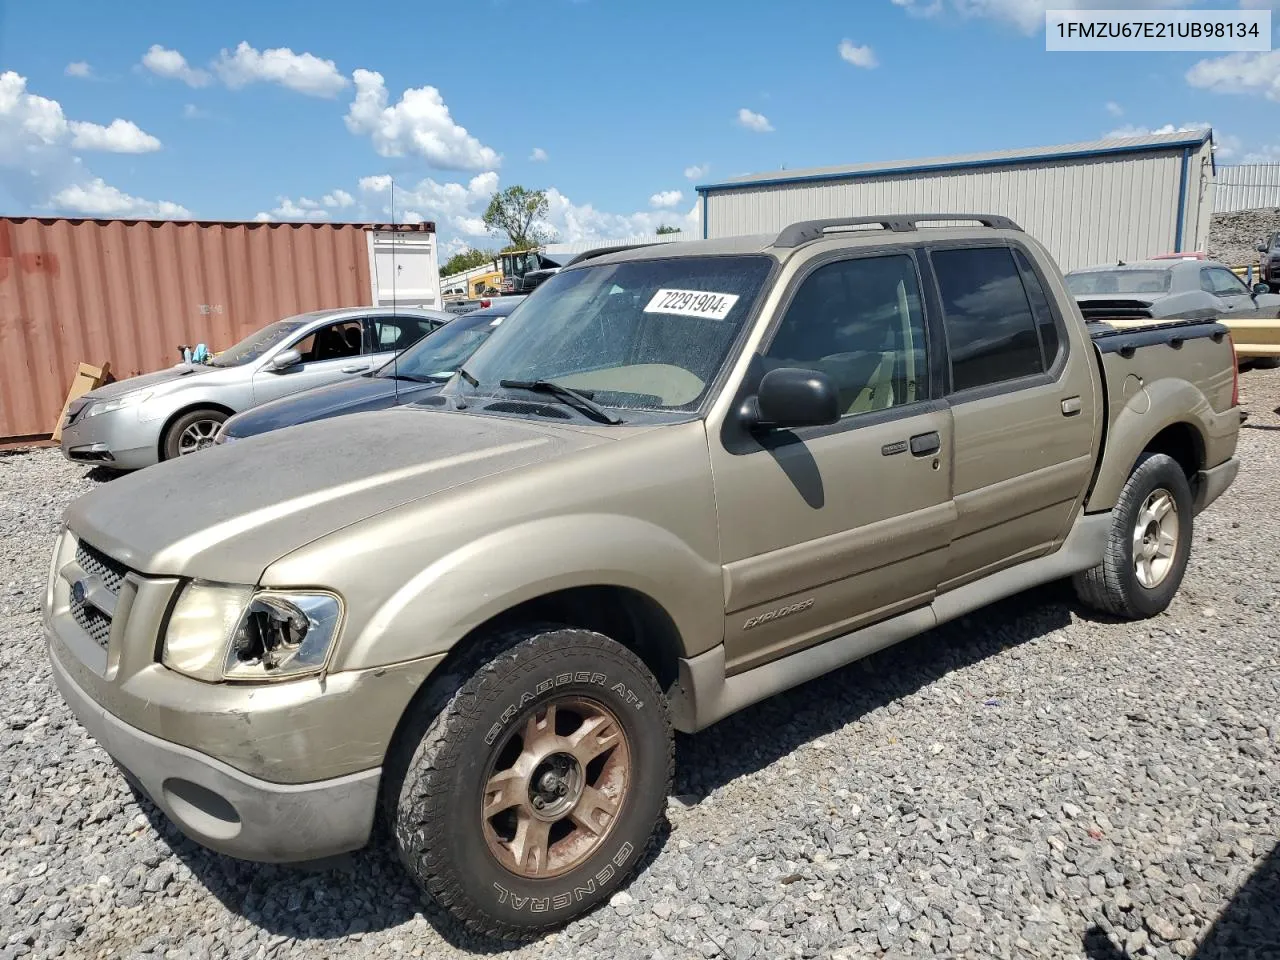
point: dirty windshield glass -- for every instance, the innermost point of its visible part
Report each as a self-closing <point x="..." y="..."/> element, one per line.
<point x="438" y="355"/>
<point x="642" y="334"/>
<point x="256" y="344"/>
<point x="1091" y="282"/>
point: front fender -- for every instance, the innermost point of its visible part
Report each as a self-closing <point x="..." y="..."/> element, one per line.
<point x="442" y="603"/>
<point x="1147" y="410"/>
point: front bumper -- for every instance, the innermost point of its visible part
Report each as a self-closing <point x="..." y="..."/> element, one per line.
<point x="273" y="771"/>
<point x="223" y="808"/>
<point x="117" y="439"/>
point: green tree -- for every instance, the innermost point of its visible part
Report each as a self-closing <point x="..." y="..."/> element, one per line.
<point x="663" y="229"/>
<point x="465" y="261"/>
<point x="515" y="212"/>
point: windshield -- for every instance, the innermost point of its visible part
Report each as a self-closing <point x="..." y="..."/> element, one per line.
<point x="256" y="344"/>
<point x="643" y="333"/>
<point x="438" y="355"/>
<point x="1090" y="282"/>
<point x="518" y="264"/>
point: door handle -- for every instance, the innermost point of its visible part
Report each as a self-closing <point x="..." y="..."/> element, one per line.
<point x="354" y="369"/>
<point x="1071" y="406"/>
<point x="925" y="444"/>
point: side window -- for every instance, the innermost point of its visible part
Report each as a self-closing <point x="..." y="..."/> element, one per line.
<point x="397" y="333"/>
<point x="1045" y="324"/>
<point x="333" y="342"/>
<point x="859" y="322"/>
<point x="1227" y="283"/>
<point x="991" y="333"/>
<point x="1206" y="281"/>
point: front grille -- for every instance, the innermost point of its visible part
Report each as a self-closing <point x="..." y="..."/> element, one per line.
<point x="92" y="621"/>
<point x="88" y="617"/>
<point x="96" y="563"/>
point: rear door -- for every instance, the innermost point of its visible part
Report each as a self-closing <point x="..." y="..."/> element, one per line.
<point x="1022" y="399"/>
<point x="827" y="529"/>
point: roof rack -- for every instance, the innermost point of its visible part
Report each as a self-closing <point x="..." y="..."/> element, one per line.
<point x="807" y="230"/>
<point x="601" y="251"/>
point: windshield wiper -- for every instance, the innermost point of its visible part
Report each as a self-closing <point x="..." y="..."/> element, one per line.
<point x="462" y="372"/>
<point x="580" y="400"/>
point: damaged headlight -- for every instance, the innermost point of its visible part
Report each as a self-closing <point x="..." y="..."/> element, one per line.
<point x="219" y="632"/>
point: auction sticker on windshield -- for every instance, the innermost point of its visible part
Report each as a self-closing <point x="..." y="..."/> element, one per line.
<point x="692" y="303"/>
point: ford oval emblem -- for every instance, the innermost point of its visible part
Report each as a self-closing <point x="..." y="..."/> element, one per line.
<point x="78" y="591"/>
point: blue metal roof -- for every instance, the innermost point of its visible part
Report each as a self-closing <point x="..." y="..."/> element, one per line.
<point x="1156" y="142"/>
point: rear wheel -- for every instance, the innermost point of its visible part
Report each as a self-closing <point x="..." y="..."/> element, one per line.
<point x="527" y="791"/>
<point x="1146" y="554"/>
<point x="191" y="432"/>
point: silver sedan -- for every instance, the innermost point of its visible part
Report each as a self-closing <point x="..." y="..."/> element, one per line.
<point x="136" y="422"/>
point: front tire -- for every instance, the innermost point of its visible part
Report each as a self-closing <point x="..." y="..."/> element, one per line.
<point x="191" y="432"/>
<point x="535" y="787"/>
<point x="1146" y="555"/>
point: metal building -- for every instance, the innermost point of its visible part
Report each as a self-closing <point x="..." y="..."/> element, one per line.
<point x="1088" y="203"/>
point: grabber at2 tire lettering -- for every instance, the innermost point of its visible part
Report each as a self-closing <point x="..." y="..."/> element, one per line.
<point x="528" y="785"/>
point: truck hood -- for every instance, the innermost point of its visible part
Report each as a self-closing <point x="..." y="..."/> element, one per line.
<point x="227" y="513"/>
<point x="335" y="400"/>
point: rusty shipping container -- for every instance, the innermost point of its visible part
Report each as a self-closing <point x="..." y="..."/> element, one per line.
<point x="130" y="291"/>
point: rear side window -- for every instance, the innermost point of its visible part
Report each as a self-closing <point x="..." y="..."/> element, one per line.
<point x="991" y="331"/>
<point x="1045" y="323"/>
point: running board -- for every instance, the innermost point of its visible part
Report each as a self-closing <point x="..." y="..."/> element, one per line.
<point x="703" y="693"/>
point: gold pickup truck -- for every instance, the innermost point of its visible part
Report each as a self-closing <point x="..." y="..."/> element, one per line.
<point x="679" y="479"/>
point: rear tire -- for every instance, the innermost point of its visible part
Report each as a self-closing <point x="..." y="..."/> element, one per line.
<point x="1146" y="553"/>
<point x="528" y="786"/>
<point x="191" y="432"/>
<point x="1266" y="363"/>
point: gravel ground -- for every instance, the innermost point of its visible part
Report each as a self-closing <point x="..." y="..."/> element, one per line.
<point x="1032" y="781"/>
<point x="1234" y="237"/>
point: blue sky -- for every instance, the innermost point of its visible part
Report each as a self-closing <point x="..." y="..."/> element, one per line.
<point x="292" y="110"/>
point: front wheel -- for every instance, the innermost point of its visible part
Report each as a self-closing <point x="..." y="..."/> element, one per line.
<point x="536" y="788"/>
<point x="193" y="431"/>
<point x="1146" y="554"/>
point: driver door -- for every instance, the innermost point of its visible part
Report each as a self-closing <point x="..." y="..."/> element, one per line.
<point x="828" y="529"/>
<point x="1234" y="297"/>
<point x="333" y="352"/>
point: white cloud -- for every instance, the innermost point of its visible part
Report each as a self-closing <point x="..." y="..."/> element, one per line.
<point x="666" y="199"/>
<point x="300" y="72"/>
<point x="1025" y="15"/>
<point x="1132" y="130"/>
<point x="418" y="123"/>
<point x="191" y="112"/>
<point x="38" y="165"/>
<point x="757" y="122"/>
<point x="696" y="170"/>
<point x="121" y="136"/>
<point x="451" y="205"/>
<point x="862" y="56"/>
<point x="339" y="198"/>
<point x="572" y="222"/>
<point x="1114" y="109"/>
<point x="1265" y="154"/>
<point x="172" y="65"/>
<point x="287" y="209"/>
<point x="97" y="199"/>
<point x="79" y="69"/>
<point x="539" y="155"/>
<point x="1239" y="73"/>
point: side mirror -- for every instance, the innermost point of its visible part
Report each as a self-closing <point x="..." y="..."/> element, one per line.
<point x="1260" y="288"/>
<point x="793" y="397"/>
<point x="285" y="359"/>
<point x="1262" y="248"/>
